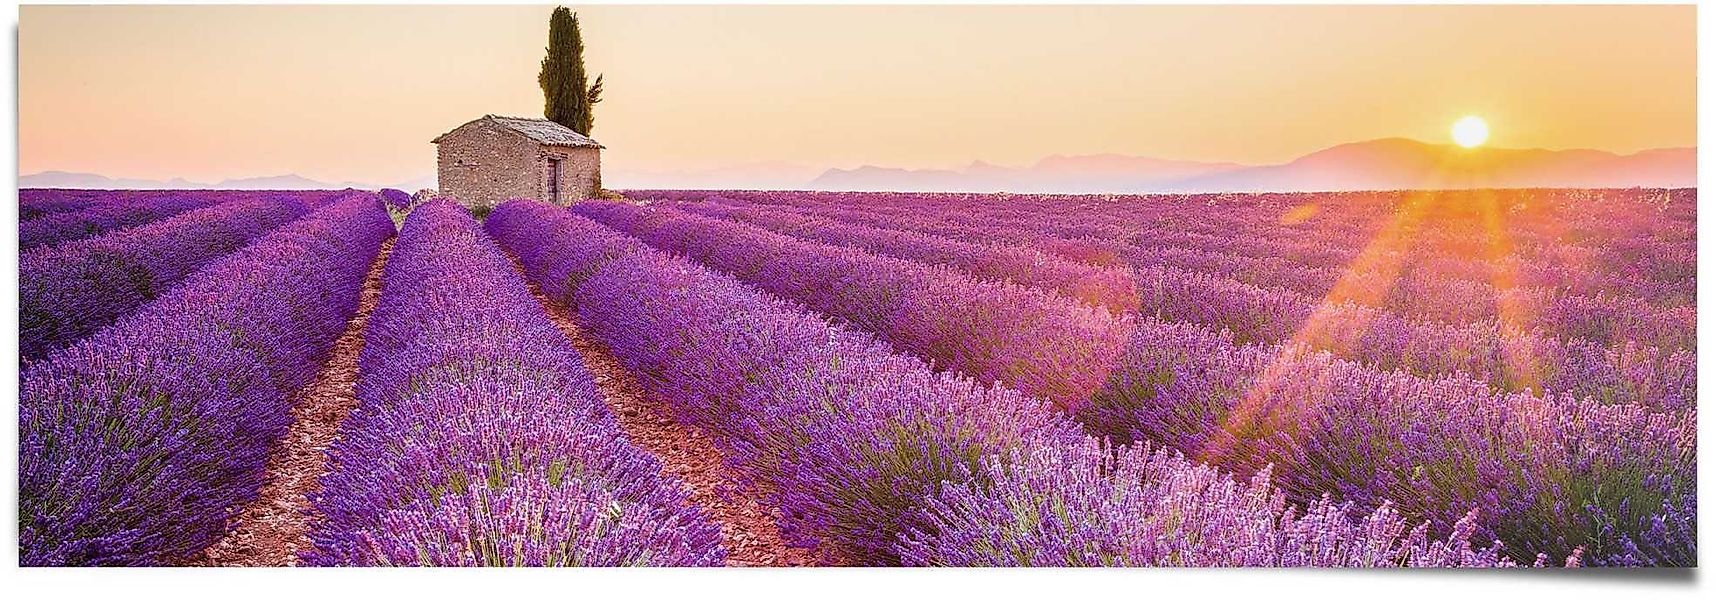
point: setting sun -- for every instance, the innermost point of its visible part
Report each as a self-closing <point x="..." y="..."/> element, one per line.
<point x="1470" y="132"/>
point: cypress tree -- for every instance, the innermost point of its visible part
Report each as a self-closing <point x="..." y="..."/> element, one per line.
<point x="568" y="97"/>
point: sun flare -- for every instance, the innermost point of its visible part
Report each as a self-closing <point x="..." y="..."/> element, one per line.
<point x="1470" y="132"/>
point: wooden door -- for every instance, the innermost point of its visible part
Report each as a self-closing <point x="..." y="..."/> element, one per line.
<point x="554" y="180"/>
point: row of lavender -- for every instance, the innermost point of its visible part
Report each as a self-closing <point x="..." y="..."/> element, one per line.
<point x="1462" y="236"/>
<point x="1037" y="342"/>
<point x="1631" y="213"/>
<point x="38" y="202"/>
<point x="1238" y="236"/>
<point x="1546" y="223"/>
<point x="1271" y="315"/>
<point x="1510" y="360"/>
<point x="480" y="438"/>
<point x="1407" y="272"/>
<point x="1402" y="273"/>
<point x="1605" y="319"/>
<point x="76" y="225"/>
<point x="1397" y="286"/>
<point x="1599" y="230"/>
<point x="50" y="217"/>
<point x="1543" y="223"/>
<point x="1105" y="286"/>
<point x="1593" y="358"/>
<point x="138" y="442"/>
<point x="1341" y="427"/>
<point x="874" y="458"/>
<point x="1501" y="353"/>
<point x="71" y="290"/>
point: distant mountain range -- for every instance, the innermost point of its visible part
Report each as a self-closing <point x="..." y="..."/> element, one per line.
<point x="1393" y="163"/>
<point x="65" y="179"/>
<point x="1070" y="174"/>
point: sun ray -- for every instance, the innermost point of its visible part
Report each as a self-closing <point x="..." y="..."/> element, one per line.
<point x="1512" y="314"/>
<point x="1331" y="326"/>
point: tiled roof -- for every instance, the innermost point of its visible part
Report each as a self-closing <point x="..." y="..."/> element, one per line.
<point x="542" y="131"/>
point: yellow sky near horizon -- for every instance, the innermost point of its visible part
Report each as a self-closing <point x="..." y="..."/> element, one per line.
<point x="356" y="92"/>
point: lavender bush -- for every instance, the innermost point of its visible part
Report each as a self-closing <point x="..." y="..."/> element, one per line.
<point x="396" y="199"/>
<point x="1090" y="505"/>
<point x="480" y="438"/>
<point x="139" y="442"/>
<point x="846" y="435"/>
<point x="864" y="449"/>
<point x="1043" y="344"/>
<point x="40" y="202"/>
<point x="1432" y="448"/>
<point x="1107" y="287"/>
<point x="95" y="220"/>
<point x="1605" y="234"/>
<point x="1506" y="358"/>
<point x="69" y="291"/>
<point x="1445" y="240"/>
<point x="1530" y="338"/>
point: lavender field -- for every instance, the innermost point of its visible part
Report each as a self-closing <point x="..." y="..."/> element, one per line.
<point x="1482" y="378"/>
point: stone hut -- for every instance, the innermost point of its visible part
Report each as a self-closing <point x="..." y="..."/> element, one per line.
<point x="494" y="159"/>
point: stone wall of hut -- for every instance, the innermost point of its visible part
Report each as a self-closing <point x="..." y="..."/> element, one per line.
<point x="484" y="164"/>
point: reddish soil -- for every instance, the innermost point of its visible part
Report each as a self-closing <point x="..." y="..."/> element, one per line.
<point x="749" y="529"/>
<point x="273" y="528"/>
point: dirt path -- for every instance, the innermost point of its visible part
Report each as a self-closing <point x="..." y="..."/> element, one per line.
<point x="749" y="531"/>
<point x="272" y="529"/>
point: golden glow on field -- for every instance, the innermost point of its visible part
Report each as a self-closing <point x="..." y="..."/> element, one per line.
<point x="1368" y="280"/>
<point x="1299" y="214"/>
<point x="1470" y="131"/>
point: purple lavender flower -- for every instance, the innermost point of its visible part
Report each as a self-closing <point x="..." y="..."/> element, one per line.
<point x="98" y="219"/>
<point x="69" y="291"/>
<point x="1040" y="343"/>
<point x="396" y="199"/>
<point x="1434" y="447"/>
<point x="1089" y="505"/>
<point x="138" y="442"/>
<point x="872" y="457"/>
<point x="40" y="202"/>
<point x="480" y="437"/>
<point x="1106" y="287"/>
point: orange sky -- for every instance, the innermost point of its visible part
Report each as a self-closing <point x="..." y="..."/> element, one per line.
<point x="355" y="93"/>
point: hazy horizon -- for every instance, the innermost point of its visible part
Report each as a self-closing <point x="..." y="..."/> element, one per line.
<point x="355" y="93"/>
